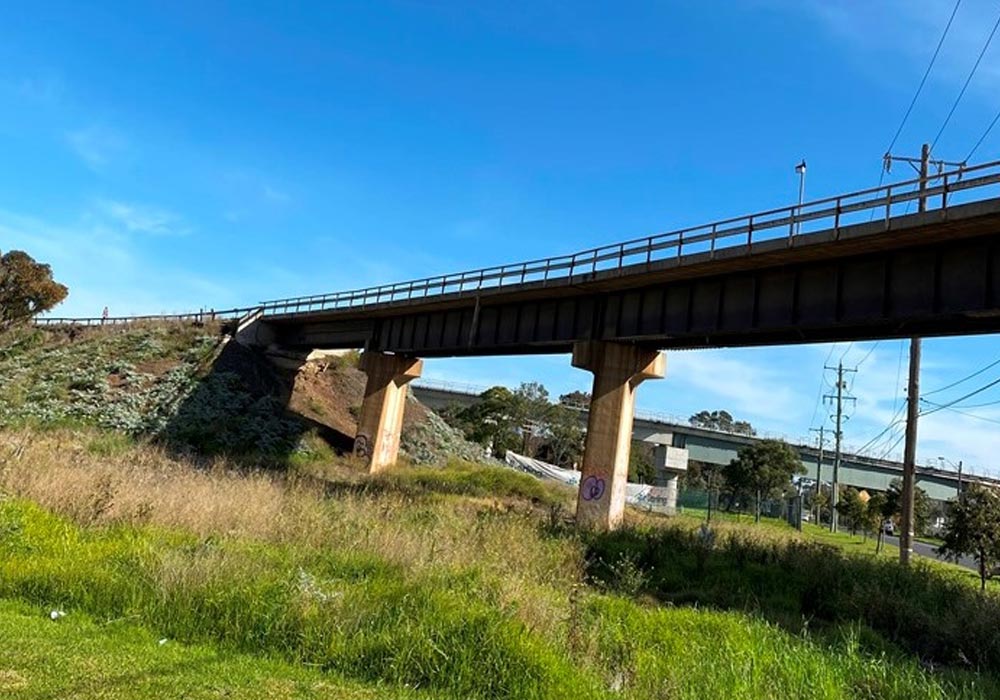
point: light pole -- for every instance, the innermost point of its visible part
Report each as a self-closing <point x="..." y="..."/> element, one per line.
<point x="801" y="170"/>
<point x="958" y="466"/>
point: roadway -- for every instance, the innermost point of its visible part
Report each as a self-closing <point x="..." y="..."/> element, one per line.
<point x="930" y="551"/>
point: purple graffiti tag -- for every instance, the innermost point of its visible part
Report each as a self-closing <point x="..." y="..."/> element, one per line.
<point x="593" y="488"/>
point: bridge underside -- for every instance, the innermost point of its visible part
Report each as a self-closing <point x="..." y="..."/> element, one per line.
<point x="925" y="276"/>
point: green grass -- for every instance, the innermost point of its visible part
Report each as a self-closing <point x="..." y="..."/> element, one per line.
<point x="372" y="622"/>
<point x="469" y="479"/>
<point x="78" y="657"/>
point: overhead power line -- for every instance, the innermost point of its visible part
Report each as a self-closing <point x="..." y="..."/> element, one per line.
<point x="961" y="398"/>
<point x="964" y="413"/>
<point x="983" y="137"/>
<point x="968" y="80"/>
<point x="923" y="80"/>
<point x="964" y="379"/>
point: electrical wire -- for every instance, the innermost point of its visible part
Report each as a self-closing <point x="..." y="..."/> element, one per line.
<point x="822" y="381"/>
<point x="964" y="413"/>
<point x="983" y="137"/>
<point x="968" y="80"/>
<point x="923" y="80"/>
<point x="916" y="95"/>
<point x="961" y="398"/>
<point x="868" y="354"/>
<point x="963" y="379"/>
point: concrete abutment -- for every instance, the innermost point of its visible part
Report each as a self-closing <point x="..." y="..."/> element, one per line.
<point x="618" y="370"/>
<point x="381" y="421"/>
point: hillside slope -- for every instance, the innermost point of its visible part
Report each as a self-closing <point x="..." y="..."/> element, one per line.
<point x="189" y="386"/>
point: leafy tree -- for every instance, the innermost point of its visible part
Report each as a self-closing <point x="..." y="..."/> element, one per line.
<point x="974" y="529"/>
<point x="493" y="421"/>
<point x="721" y="420"/>
<point x="578" y="399"/>
<point x="563" y="436"/>
<point x="762" y="469"/>
<point x="875" y="515"/>
<point x="921" y="505"/>
<point x="852" y="507"/>
<point x="26" y="288"/>
<point x="641" y="469"/>
<point x="819" y="502"/>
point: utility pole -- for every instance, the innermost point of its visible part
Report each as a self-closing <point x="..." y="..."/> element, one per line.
<point x="913" y="385"/>
<point x="819" y="470"/>
<point x="837" y="437"/>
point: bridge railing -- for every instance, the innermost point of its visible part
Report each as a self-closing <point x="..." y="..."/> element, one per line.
<point x="942" y="190"/>
<point x="193" y="317"/>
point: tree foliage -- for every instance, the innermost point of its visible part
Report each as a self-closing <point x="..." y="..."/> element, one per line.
<point x="26" y="288"/>
<point x="761" y="470"/>
<point x="523" y="420"/>
<point x="721" y="420"/>
<point x="853" y="508"/>
<point x="974" y="529"/>
<point x="921" y="505"/>
<point x="641" y="469"/>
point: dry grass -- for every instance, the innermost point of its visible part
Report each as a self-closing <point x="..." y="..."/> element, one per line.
<point x="98" y="480"/>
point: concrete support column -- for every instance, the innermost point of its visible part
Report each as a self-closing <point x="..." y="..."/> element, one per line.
<point x="618" y="369"/>
<point x="381" y="420"/>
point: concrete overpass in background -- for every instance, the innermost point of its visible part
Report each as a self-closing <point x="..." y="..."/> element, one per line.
<point x="720" y="447"/>
<point x="857" y="266"/>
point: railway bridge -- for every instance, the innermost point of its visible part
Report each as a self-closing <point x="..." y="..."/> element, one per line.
<point x="856" y="266"/>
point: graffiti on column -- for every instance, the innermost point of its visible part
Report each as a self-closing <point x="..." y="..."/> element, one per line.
<point x="592" y="489"/>
<point x="362" y="447"/>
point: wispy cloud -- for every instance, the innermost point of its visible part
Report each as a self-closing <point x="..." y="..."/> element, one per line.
<point x="138" y="218"/>
<point x="96" y="145"/>
<point x="103" y="264"/>
<point x="916" y="29"/>
<point x="275" y="196"/>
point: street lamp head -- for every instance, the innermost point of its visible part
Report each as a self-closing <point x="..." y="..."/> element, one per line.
<point x="801" y="167"/>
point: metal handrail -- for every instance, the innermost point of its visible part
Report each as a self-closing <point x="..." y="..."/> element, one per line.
<point x="732" y="233"/>
<point x="197" y="317"/>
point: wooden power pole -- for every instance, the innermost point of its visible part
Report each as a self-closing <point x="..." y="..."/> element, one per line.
<point x="912" y="407"/>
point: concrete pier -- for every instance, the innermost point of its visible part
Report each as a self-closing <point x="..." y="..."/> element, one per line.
<point x="618" y="370"/>
<point x="381" y="419"/>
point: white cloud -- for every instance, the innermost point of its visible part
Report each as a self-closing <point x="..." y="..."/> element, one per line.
<point x="104" y="265"/>
<point x="143" y="219"/>
<point x="96" y="145"/>
<point x="275" y="196"/>
<point x="911" y="30"/>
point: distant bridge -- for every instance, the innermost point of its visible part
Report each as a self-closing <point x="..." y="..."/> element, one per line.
<point x="719" y="447"/>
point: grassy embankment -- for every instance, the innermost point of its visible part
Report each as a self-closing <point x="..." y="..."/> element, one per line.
<point x="426" y="582"/>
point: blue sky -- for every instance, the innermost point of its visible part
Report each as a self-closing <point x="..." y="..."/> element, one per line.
<point x="188" y="155"/>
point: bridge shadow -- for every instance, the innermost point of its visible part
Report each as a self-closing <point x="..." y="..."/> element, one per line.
<point x="241" y="409"/>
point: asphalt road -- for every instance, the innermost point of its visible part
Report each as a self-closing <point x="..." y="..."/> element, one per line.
<point x="930" y="551"/>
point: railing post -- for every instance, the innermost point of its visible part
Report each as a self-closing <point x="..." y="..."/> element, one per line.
<point x="711" y="247"/>
<point x="750" y="232"/>
<point x="944" y="194"/>
<point x="649" y="250"/>
<point x="836" y="220"/>
<point x="621" y="255"/>
<point x="888" y="205"/>
<point x="593" y="268"/>
<point x="524" y="269"/>
<point x="680" y="244"/>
